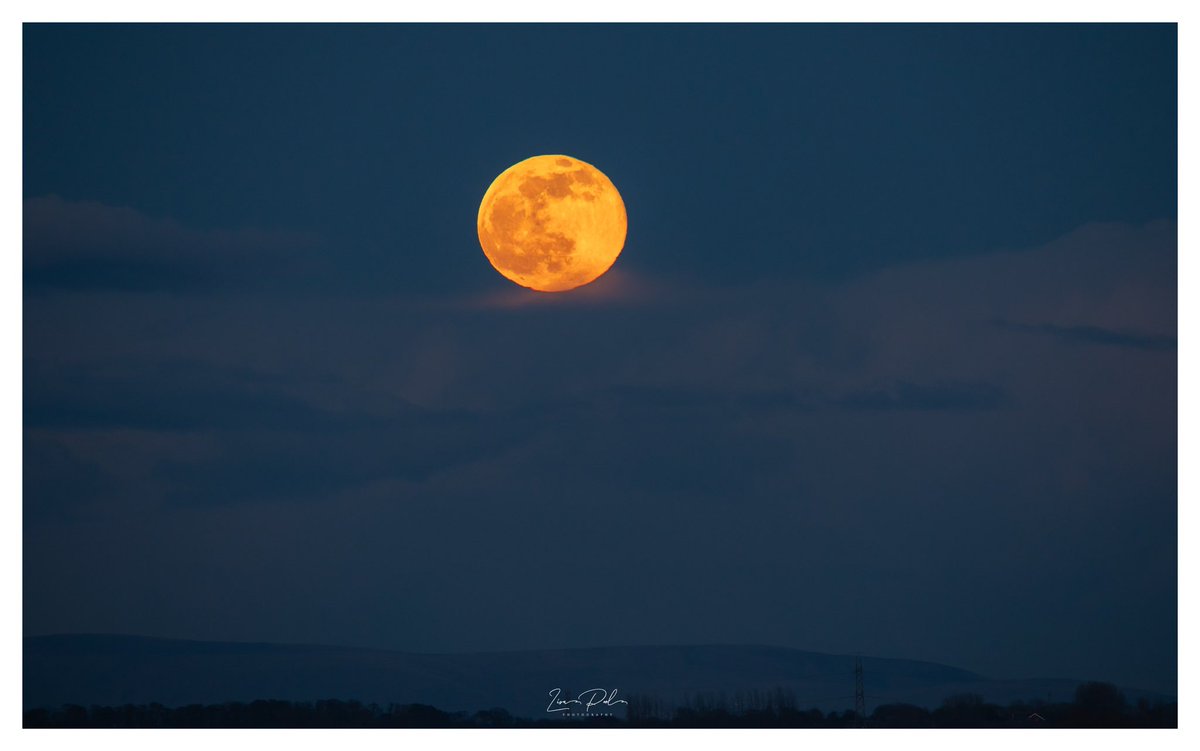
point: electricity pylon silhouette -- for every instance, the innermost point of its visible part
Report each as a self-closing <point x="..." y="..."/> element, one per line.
<point x="860" y="698"/>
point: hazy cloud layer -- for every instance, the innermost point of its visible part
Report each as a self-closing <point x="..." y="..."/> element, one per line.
<point x="87" y="245"/>
<point x="1096" y="335"/>
<point x="786" y="462"/>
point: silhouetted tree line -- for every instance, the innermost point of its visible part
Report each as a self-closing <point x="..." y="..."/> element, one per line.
<point x="330" y="713"/>
<point x="1096" y="705"/>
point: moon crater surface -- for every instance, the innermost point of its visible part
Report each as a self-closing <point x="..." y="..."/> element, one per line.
<point x="552" y="223"/>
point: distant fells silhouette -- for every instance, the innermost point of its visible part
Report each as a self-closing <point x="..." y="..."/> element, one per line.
<point x="110" y="670"/>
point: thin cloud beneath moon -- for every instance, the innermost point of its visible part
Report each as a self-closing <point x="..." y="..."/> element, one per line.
<point x="617" y="287"/>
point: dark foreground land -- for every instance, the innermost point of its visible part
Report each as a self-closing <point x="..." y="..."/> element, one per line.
<point x="1096" y="705"/>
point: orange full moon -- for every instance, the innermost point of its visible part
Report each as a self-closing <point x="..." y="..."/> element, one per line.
<point x="552" y="223"/>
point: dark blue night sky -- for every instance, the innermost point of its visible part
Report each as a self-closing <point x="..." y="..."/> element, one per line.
<point x="887" y="364"/>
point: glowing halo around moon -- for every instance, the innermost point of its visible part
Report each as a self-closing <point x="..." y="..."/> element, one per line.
<point x="552" y="223"/>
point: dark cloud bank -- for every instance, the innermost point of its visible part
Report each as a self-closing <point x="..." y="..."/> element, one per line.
<point x="784" y="462"/>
